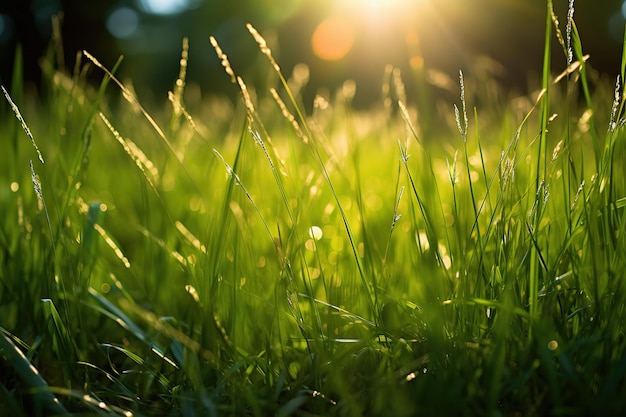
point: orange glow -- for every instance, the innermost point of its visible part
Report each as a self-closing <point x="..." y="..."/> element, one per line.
<point x="333" y="39"/>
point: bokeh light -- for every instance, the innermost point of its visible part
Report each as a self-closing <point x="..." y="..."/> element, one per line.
<point x="167" y="7"/>
<point x="122" y="22"/>
<point x="332" y="39"/>
<point x="616" y="23"/>
<point x="43" y="10"/>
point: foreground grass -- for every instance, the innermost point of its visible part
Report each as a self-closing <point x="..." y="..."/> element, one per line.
<point x="252" y="260"/>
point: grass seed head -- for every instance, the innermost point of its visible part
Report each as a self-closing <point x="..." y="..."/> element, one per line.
<point x="263" y="45"/>
<point x="182" y="74"/>
<point x="36" y="183"/>
<point x="615" y="107"/>
<point x="287" y="115"/>
<point x="246" y="96"/>
<point x="16" y="110"/>
<point x="225" y="62"/>
<point x="568" y="31"/>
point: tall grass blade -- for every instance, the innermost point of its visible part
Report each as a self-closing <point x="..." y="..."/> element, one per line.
<point x="62" y="342"/>
<point x="44" y="399"/>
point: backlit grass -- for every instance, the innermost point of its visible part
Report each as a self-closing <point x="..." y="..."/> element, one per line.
<point x="249" y="257"/>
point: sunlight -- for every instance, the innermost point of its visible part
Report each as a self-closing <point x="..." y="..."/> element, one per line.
<point x="380" y="4"/>
<point x="383" y="12"/>
<point x="349" y="20"/>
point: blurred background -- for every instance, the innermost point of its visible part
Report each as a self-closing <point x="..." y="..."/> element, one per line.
<point x="337" y="39"/>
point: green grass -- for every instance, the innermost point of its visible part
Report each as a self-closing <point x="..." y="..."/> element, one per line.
<point x="205" y="258"/>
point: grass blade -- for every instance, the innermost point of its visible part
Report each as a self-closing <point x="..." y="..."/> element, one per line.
<point x="42" y="395"/>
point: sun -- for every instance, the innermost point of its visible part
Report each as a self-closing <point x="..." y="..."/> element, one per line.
<point x="349" y="20"/>
<point x="383" y="9"/>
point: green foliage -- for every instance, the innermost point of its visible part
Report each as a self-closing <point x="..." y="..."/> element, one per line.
<point x="255" y="259"/>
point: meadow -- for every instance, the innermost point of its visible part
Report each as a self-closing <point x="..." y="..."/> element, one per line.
<point x="265" y="256"/>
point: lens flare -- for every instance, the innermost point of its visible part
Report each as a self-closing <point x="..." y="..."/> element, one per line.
<point x="333" y="39"/>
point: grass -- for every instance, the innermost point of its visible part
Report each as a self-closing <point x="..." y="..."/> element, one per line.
<point x="210" y="259"/>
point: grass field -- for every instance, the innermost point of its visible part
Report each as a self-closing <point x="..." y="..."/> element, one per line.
<point x="209" y="258"/>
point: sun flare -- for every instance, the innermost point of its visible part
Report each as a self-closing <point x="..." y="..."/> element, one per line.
<point x="351" y="20"/>
<point x="380" y="9"/>
<point x="333" y="39"/>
